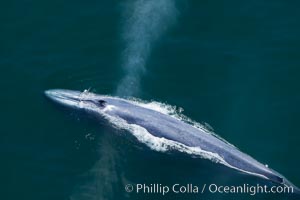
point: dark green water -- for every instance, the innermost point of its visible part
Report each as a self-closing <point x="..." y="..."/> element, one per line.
<point x="232" y="64"/>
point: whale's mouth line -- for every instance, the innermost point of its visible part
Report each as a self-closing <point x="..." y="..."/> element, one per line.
<point x="58" y="96"/>
<point x="68" y="97"/>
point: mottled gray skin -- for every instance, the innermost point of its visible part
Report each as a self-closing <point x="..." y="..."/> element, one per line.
<point x="162" y="125"/>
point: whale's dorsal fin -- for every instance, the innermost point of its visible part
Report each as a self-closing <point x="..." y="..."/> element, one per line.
<point x="279" y="179"/>
<point x="275" y="178"/>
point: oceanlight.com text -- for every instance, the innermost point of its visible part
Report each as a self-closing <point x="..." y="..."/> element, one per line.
<point x="155" y="188"/>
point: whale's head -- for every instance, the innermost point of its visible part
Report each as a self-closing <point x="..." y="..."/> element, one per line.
<point x="78" y="100"/>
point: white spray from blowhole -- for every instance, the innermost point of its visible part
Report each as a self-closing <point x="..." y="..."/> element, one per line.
<point x="145" y="22"/>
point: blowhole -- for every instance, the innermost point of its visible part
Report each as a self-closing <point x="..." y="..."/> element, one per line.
<point x="102" y="102"/>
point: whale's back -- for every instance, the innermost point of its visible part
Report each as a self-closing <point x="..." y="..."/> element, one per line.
<point x="165" y="126"/>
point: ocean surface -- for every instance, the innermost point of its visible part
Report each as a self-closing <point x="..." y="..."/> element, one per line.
<point x="233" y="65"/>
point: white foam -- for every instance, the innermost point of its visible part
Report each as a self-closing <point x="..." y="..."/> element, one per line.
<point x="159" y="143"/>
<point x="176" y="112"/>
<point x="109" y="108"/>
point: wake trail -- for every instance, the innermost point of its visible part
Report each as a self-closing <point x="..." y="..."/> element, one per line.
<point x="102" y="177"/>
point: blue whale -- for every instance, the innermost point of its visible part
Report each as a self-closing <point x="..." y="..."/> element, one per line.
<point x="163" y="132"/>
